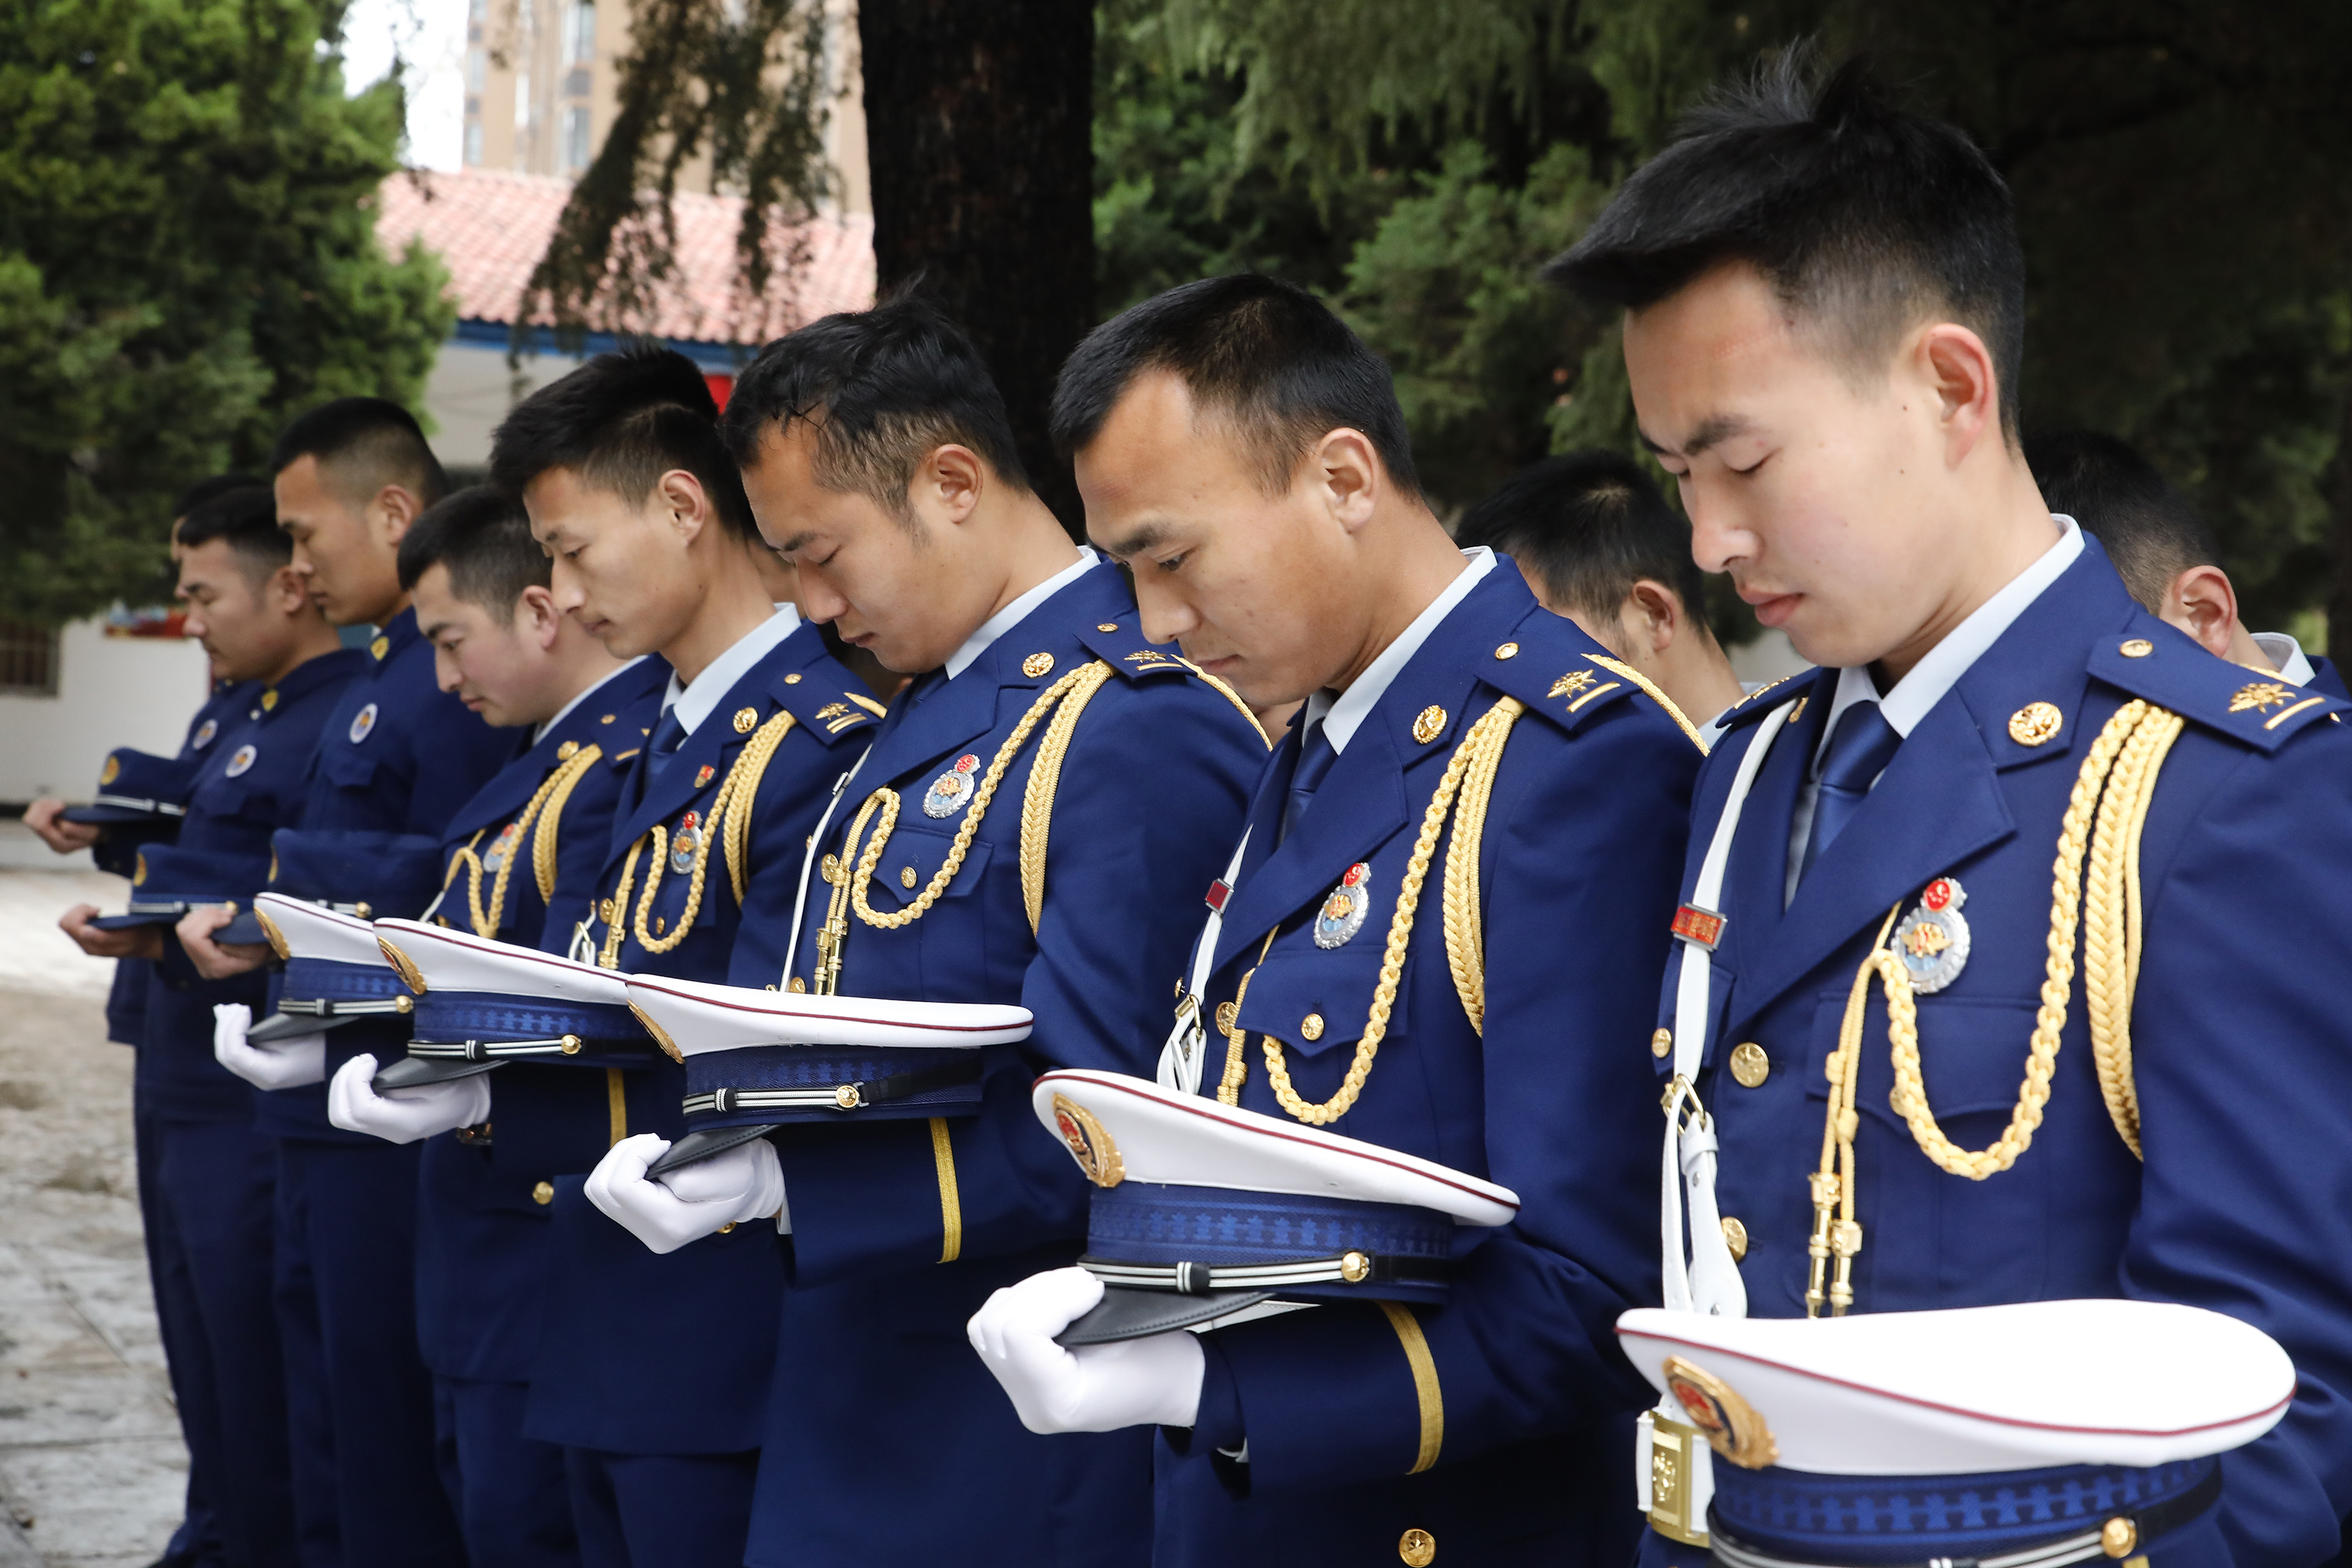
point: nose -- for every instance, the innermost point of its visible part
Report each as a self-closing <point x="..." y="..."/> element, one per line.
<point x="1163" y="613"/>
<point x="1719" y="539"/>
<point x="445" y="671"/>
<point x="564" y="587"/>
<point x="817" y="601"/>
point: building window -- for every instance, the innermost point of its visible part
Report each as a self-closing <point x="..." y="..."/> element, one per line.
<point x="578" y="33"/>
<point x="28" y="659"/>
<point x="478" y="68"/>
<point x="575" y="139"/>
<point x="473" y="143"/>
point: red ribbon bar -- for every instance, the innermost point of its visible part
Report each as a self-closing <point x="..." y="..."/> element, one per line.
<point x="1694" y="924"/>
<point x="1216" y="895"/>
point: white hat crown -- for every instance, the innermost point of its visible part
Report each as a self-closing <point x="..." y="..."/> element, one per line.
<point x="700" y="1017"/>
<point x="451" y="960"/>
<point x="313" y="931"/>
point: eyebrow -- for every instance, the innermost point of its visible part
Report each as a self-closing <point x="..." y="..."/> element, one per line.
<point x="797" y="542"/>
<point x="1142" y="538"/>
<point x="1712" y="430"/>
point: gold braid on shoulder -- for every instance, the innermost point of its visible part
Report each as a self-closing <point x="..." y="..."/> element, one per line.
<point x="1624" y="671"/>
<point x="2105" y="815"/>
<point x="545" y="809"/>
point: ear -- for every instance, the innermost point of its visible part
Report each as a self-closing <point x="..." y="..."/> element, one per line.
<point x="685" y="503"/>
<point x="284" y="593"/>
<point x="1957" y="370"/>
<point x="396" y="507"/>
<point x="1346" y="474"/>
<point x="536" y="618"/>
<point x="1651" y="615"/>
<point x="2210" y="605"/>
<point x="947" y="484"/>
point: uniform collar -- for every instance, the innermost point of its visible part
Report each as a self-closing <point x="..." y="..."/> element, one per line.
<point x="1341" y="713"/>
<point x="1019" y="610"/>
<point x="335" y="664"/>
<point x="548" y="727"/>
<point x="2286" y="656"/>
<point x="1919" y="692"/>
<point x="394" y="637"/>
<point x="693" y="703"/>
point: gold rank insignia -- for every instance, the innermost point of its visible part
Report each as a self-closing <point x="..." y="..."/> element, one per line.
<point x="381" y="647"/>
<point x="2257" y="695"/>
<point x="1037" y="664"/>
<point x="1568" y="685"/>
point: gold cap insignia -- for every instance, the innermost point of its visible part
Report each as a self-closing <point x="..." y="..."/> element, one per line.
<point x="660" y="1035"/>
<point x="2035" y="723"/>
<point x="139" y="870"/>
<point x="2257" y="695"/>
<point x="270" y="699"/>
<point x="1733" y="1428"/>
<point x="271" y="934"/>
<point x="2137" y="648"/>
<point x="566" y="751"/>
<point x="1096" y="1156"/>
<point x="111" y="772"/>
<point x="746" y="720"/>
<point x="1037" y="664"/>
<point x="402" y="965"/>
<point x="381" y="647"/>
<point x="1429" y="723"/>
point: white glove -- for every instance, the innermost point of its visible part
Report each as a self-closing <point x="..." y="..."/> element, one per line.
<point x="1154" y="1381"/>
<point x="405" y="1114"/>
<point x="665" y="1212"/>
<point x="283" y="1064"/>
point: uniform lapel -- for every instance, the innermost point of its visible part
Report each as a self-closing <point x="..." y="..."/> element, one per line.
<point x="1360" y="803"/>
<point x="1755" y="880"/>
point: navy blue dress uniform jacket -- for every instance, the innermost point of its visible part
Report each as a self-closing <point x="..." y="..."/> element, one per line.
<point x="397" y="754"/>
<point x="2242" y="1058"/>
<point x="481" y="1229"/>
<point x="1531" y="1403"/>
<point x="640" y="1353"/>
<point x="878" y="1398"/>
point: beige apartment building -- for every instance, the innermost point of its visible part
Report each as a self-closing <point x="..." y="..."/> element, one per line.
<point x="540" y="80"/>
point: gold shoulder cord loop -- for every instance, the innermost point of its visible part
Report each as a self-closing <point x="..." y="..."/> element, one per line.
<point x="730" y="816"/>
<point x="1045" y="777"/>
<point x="1230" y="695"/>
<point x="545" y="808"/>
<point x="616" y="928"/>
<point x="1627" y="672"/>
<point x="2105" y="815"/>
<point x="1472" y="755"/>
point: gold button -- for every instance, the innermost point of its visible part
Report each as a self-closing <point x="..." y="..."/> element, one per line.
<point x="1662" y="1041"/>
<point x="570" y="1044"/>
<point x="792" y="679"/>
<point x="1226" y="1012"/>
<point x="2138" y="648"/>
<point x="727" y="1229"/>
<point x="1354" y="1268"/>
<point x="849" y="1097"/>
<point x="566" y="751"/>
<point x="2035" y="723"/>
<point x="1749" y="1065"/>
<point x="1418" y="1547"/>
<point x="1310" y="1027"/>
<point x="2118" y="1537"/>
<point x="1428" y="723"/>
<point x="1037" y="664"/>
<point x="268" y="702"/>
<point x="746" y="720"/>
<point x="365" y="914"/>
<point x="659" y="922"/>
<point x="544" y="1193"/>
<point x="608" y="718"/>
<point x="1509" y="650"/>
<point x="1734" y="1237"/>
<point x="907" y="877"/>
<point x="799" y="986"/>
<point x="1108" y="627"/>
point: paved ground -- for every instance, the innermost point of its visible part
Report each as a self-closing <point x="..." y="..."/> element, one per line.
<point x="92" y="1465"/>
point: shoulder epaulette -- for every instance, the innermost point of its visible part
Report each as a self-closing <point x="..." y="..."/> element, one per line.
<point x="1767" y="697"/>
<point x="830" y="708"/>
<point x="2152" y="661"/>
<point x="1548" y="664"/>
<point x="1120" y="644"/>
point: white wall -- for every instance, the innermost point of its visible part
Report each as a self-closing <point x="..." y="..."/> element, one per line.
<point x="471" y="389"/>
<point x="111" y="691"/>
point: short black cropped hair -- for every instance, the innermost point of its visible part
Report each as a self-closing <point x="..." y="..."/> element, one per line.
<point x="482" y="535"/>
<point x="620" y="422"/>
<point x="2152" y="533"/>
<point x="245" y="518"/>
<point x="1585" y="527"/>
<point x="1866" y="220"/>
<point x="1263" y="355"/>
<point x="203" y="490"/>
<point x="880" y="390"/>
<point x="362" y="445"/>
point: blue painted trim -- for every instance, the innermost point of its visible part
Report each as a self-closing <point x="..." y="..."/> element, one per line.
<point x="724" y="358"/>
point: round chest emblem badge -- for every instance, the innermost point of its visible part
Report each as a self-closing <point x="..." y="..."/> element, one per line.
<point x="1933" y="940"/>
<point x="204" y="735"/>
<point x="683" y="848"/>
<point x="501" y="847"/>
<point x="363" y="724"/>
<point x="1342" y="915"/>
<point x="953" y="790"/>
<point x="240" y="760"/>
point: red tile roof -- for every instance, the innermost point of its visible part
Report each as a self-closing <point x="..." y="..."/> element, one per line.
<point x="490" y="227"/>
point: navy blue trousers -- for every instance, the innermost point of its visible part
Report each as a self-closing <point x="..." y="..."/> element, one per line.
<point x="662" y="1511"/>
<point x="512" y="1500"/>
<point x="197" y="1537"/>
<point x="361" y="1400"/>
<point x="212" y="1245"/>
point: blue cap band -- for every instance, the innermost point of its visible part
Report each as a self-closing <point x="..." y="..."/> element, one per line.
<point x="497" y="1016"/>
<point x="811" y="1076"/>
<point x="331" y="980"/>
<point x="1147" y="1222"/>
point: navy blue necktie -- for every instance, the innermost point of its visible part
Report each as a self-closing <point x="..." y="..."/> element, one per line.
<point x="1314" y="760"/>
<point x="1860" y="749"/>
<point x="669" y="736"/>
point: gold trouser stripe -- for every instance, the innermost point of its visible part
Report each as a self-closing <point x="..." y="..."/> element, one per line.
<point x="951" y="1206"/>
<point x="1424" y="1383"/>
<point x="616" y="1104"/>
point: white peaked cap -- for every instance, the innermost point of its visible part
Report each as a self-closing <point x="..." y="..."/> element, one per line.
<point x="450" y="960"/>
<point x="313" y="930"/>
<point x="1976" y="1389"/>
<point x="700" y="1017"/>
<point x="1191" y="1141"/>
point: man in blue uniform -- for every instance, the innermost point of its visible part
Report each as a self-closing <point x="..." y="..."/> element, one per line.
<point x="653" y="550"/>
<point x="522" y="860"/>
<point x="1455" y="880"/>
<point x="1982" y="919"/>
<point x="396" y="756"/>
<point x="207" y="1199"/>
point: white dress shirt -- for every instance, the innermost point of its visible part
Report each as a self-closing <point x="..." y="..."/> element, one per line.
<point x="2286" y="656"/>
<point x="1013" y="613"/>
<point x="693" y="703"/>
<point x="540" y="732"/>
<point x="1341" y="713"/>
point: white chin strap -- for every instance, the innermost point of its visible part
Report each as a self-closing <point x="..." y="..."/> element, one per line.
<point x="1186" y="1053"/>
